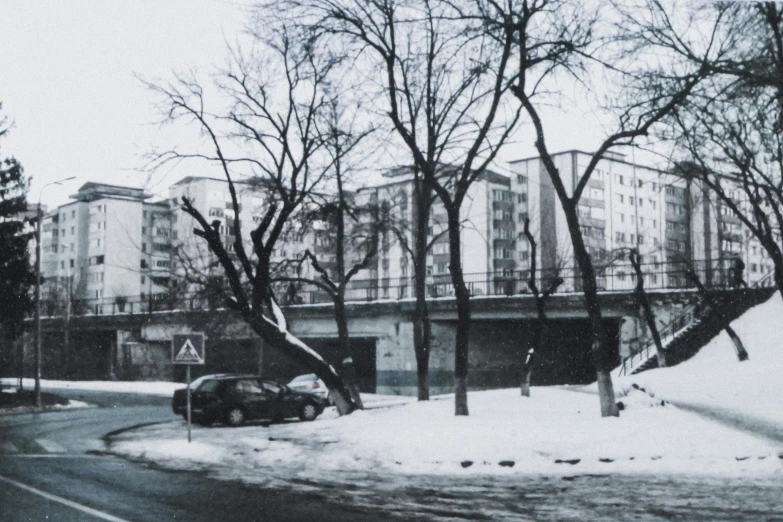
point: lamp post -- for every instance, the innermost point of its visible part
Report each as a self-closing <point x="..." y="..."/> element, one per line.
<point x="39" y="219"/>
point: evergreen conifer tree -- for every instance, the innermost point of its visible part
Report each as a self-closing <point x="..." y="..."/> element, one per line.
<point x="16" y="231"/>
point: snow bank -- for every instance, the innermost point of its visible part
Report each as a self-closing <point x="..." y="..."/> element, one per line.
<point x="144" y="387"/>
<point x="715" y="378"/>
<point x="555" y="431"/>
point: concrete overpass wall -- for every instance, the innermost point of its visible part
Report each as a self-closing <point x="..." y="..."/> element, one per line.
<point x="138" y="346"/>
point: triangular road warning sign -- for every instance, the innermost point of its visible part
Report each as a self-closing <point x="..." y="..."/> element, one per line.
<point x="187" y="353"/>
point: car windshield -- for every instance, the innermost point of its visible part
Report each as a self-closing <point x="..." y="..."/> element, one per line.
<point x="304" y="378"/>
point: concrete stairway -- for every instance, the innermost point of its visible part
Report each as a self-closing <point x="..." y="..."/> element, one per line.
<point x="707" y="324"/>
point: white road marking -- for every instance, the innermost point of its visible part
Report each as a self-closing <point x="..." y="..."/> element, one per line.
<point x="8" y="447"/>
<point x="50" y="446"/>
<point x="74" y="505"/>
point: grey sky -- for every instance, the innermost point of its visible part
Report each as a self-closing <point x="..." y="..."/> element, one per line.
<point x="67" y="80"/>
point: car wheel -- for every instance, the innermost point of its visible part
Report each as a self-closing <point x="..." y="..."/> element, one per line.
<point x="308" y="412"/>
<point x="235" y="417"/>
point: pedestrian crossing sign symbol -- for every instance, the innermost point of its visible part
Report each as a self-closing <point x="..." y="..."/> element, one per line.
<point x="187" y="348"/>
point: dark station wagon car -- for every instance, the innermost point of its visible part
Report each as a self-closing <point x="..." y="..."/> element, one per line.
<point x="234" y="399"/>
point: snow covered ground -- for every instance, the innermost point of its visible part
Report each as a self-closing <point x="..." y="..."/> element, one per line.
<point x="714" y="377"/>
<point x="556" y="431"/>
<point x="145" y="387"/>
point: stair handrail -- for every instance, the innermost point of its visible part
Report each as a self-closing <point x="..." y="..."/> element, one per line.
<point x="682" y="320"/>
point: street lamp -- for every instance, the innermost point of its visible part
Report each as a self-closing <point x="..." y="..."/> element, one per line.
<point x="39" y="219"/>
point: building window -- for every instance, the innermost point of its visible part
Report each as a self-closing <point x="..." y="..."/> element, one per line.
<point x="216" y="212"/>
<point x="72" y="263"/>
<point x="143" y="279"/>
<point x="596" y="193"/>
<point x="502" y="195"/>
<point x="144" y="247"/>
<point x="521" y="198"/>
<point x="619" y="179"/>
<point x="639" y="183"/>
<point x="521" y="178"/>
<point x="441" y="268"/>
<point x="161" y="264"/>
<point x="630" y="200"/>
<point x="620" y="198"/>
<point x="523" y="255"/>
<point x="143" y="230"/>
<point x="522" y="217"/>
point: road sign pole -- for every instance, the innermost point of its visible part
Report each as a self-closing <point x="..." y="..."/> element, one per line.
<point x="188" y="378"/>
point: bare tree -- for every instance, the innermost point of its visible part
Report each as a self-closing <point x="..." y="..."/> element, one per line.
<point x="442" y="85"/>
<point x="739" y="347"/>
<point x="347" y="219"/>
<point x="539" y="337"/>
<point x="644" y="303"/>
<point x="559" y="39"/>
<point x="269" y="131"/>
<point x="730" y="139"/>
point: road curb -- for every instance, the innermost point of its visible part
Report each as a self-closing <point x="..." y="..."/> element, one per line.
<point x="114" y="433"/>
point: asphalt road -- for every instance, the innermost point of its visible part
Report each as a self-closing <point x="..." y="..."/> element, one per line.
<point x="51" y="468"/>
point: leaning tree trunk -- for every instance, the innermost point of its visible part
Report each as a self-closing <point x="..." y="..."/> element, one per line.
<point x="649" y="317"/>
<point x="462" y="297"/>
<point x="280" y="338"/>
<point x="602" y="354"/>
<point x="742" y="353"/>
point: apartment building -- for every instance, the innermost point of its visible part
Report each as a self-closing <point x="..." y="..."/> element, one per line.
<point x="669" y="217"/>
<point x="192" y="262"/>
<point x="106" y="246"/>
<point x="485" y="234"/>
<point x="111" y="244"/>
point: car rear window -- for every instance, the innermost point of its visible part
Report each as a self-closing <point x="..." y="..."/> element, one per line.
<point x="271" y="387"/>
<point x="208" y="386"/>
<point x="303" y="378"/>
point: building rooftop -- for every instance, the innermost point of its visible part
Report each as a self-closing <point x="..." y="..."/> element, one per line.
<point x="91" y="191"/>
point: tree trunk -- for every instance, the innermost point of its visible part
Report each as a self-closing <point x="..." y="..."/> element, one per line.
<point x="347" y="369"/>
<point x="778" y="274"/>
<point x="463" y="315"/>
<point x="527" y="371"/>
<point x="602" y="355"/>
<point x="422" y="327"/>
<point x="300" y="353"/>
<point x="742" y="354"/>
<point x="649" y="317"/>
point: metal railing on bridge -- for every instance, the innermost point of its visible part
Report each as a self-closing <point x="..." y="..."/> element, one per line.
<point x="616" y="277"/>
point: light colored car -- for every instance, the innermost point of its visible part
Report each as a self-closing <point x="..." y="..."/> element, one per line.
<point x="310" y="383"/>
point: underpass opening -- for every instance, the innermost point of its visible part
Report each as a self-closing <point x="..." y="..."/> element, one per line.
<point x="277" y="366"/>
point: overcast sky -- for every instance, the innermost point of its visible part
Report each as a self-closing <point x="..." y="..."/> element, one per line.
<point x="68" y="81"/>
